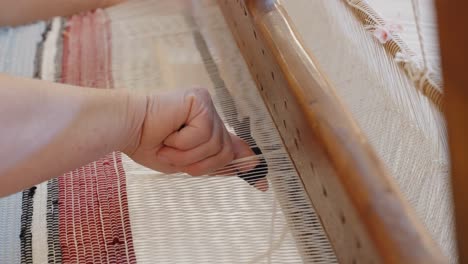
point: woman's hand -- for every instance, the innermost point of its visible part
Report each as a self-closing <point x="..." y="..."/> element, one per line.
<point x="52" y="128"/>
<point x="182" y="132"/>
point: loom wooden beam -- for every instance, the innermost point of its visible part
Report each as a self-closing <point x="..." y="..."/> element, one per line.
<point x="363" y="213"/>
<point x="453" y="40"/>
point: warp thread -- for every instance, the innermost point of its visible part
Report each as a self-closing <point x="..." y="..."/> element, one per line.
<point x="386" y="33"/>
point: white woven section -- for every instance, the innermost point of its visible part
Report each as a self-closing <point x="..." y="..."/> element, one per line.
<point x="39" y="225"/>
<point x="39" y="221"/>
<point x="181" y="219"/>
<point x="10" y="223"/>
<point x="407" y="132"/>
<point x="178" y="219"/>
<point x="49" y="51"/>
<point x="17" y="53"/>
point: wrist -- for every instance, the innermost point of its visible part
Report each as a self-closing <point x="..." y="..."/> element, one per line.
<point x="134" y="113"/>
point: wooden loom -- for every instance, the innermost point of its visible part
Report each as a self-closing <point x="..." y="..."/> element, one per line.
<point x="362" y="210"/>
<point x="365" y="215"/>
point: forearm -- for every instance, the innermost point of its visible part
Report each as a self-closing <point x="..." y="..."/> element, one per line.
<point x="49" y="129"/>
<point x="16" y="12"/>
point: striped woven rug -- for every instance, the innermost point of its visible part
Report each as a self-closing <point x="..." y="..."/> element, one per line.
<point x="82" y="216"/>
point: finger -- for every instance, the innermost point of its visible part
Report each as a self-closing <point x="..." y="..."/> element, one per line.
<point x="244" y="157"/>
<point x="181" y="158"/>
<point x="242" y="150"/>
<point x="256" y="174"/>
<point x="198" y="127"/>
<point x="159" y="165"/>
<point x="211" y="164"/>
<point x="262" y="184"/>
<point x="255" y="177"/>
<point x="233" y="169"/>
<point x="253" y="173"/>
<point x="194" y="133"/>
<point x="108" y="3"/>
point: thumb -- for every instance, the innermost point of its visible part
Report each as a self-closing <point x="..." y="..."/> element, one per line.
<point x="252" y="170"/>
<point x="242" y="151"/>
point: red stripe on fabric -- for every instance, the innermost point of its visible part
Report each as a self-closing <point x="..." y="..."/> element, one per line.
<point x="94" y="221"/>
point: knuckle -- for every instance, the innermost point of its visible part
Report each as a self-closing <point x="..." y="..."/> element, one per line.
<point x="199" y="92"/>
<point x="202" y="91"/>
<point x="204" y="96"/>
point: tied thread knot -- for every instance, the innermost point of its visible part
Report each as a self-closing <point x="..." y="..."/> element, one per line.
<point x="384" y="33"/>
<point x="415" y="68"/>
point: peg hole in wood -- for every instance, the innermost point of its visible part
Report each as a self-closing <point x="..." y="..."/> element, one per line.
<point x="358" y="243"/>
<point x="284" y="123"/>
<point x="324" y="191"/>
<point x="295" y="143"/>
<point x="298" y="134"/>
<point x="342" y="218"/>
<point x="272" y="76"/>
<point x="285" y="104"/>
<point x="255" y="34"/>
<point x="263" y="51"/>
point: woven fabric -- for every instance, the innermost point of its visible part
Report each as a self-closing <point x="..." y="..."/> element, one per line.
<point x="44" y="223"/>
<point x="182" y="219"/>
<point x="18" y="48"/>
<point x="94" y="223"/>
<point x="115" y="211"/>
<point x="82" y="216"/>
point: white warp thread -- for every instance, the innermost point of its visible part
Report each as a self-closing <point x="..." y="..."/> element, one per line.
<point x="181" y="219"/>
<point x="404" y="128"/>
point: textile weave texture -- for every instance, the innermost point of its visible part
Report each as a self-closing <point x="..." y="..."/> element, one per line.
<point x="115" y="211"/>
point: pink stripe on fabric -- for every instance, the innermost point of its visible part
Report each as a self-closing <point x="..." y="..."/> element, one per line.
<point x="94" y="220"/>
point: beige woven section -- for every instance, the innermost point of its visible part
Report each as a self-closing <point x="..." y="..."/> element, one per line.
<point x="402" y="124"/>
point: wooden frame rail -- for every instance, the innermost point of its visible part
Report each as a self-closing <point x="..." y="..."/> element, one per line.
<point x="453" y="40"/>
<point x="360" y="207"/>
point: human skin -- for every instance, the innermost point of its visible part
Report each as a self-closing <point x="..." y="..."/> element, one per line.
<point x="50" y="128"/>
<point x="18" y="12"/>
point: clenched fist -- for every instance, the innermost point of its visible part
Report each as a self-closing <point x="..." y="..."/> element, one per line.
<point x="182" y="132"/>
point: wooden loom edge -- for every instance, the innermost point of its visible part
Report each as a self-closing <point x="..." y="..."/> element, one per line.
<point x="362" y="210"/>
<point x="451" y="16"/>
